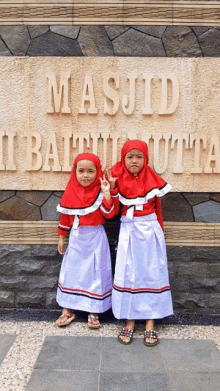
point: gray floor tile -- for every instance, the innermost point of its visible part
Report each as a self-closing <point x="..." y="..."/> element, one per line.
<point x="77" y="363"/>
<point x="187" y="355"/>
<point x="6" y="341"/>
<point x="70" y="353"/>
<point x="49" y="380"/>
<point x="130" y="358"/>
<point x="194" y="381"/>
<point x="116" y="381"/>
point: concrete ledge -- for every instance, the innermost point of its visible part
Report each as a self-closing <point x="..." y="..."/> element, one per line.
<point x="90" y="12"/>
<point x="44" y="232"/>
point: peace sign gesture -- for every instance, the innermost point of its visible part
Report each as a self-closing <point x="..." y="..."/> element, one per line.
<point x="112" y="180"/>
<point x="105" y="185"/>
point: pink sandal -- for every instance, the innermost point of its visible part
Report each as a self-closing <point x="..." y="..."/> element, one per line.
<point x="91" y="319"/>
<point x="65" y="319"/>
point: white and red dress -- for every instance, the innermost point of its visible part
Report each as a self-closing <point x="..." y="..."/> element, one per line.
<point x="85" y="280"/>
<point x="141" y="287"/>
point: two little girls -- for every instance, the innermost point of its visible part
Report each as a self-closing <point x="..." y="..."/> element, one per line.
<point x="141" y="285"/>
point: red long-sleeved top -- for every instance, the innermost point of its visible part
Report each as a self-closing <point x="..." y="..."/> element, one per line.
<point x="152" y="206"/>
<point x="105" y="211"/>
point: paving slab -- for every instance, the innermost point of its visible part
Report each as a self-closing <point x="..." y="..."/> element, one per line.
<point x="102" y="364"/>
<point x="6" y="341"/>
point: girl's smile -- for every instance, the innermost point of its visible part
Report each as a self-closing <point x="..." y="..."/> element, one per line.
<point x="86" y="172"/>
<point x="134" y="161"/>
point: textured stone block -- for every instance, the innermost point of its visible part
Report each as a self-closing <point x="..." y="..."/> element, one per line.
<point x="27" y="299"/>
<point x="136" y="44"/>
<point x="17" y="209"/>
<point x="50" y="44"/>
<point x="179" y="285"/>
<point x="156" y="31"/>
<point x="7" y="268"/>
<point x="36" y="31"/>
<point x="42" y="282"/>
<point x="51" y="300"/>
<point x="58" y="193"/>
<point x="7" y="298"/>
<point x="51" y="268"/>
<point x="199" y="30"/>
<point x="4" y="50"/>
<point x="180" y="41"/>
<point x="44" y="252"/>
<point x="204" y="285"/>
<point x="114" y="31"/>
<point x="207" y="254"/>
<point x="16" y="38"/>
<point x="178" y="254"/>
<point x="214" y="300"/>
<point x="196" y="198"/>
<point x="66" y="31"/>
<point x="13" y="282"/>
<point x="207" y="212"/>
<point x="12" y="252"/>
<point x="94" y="41"/>
<point x="29" y="266"/>
<point x="213" y="270"/>
<point x="5" y="194"/>
<point x="176" y="208"/>
<point x="215" y="197"/>
<point x="192" y="270"/>
<point x="210" y="43"/>
<point x="49" y="209"/>
<point x="34" y="197"/>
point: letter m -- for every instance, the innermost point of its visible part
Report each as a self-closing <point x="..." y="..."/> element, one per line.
<point x="59" y="95"/>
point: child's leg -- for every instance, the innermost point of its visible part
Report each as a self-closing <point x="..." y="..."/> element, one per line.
<point x="150" y="337"/>
<point x="65" y="318"/>
<point x="130" y="324"/>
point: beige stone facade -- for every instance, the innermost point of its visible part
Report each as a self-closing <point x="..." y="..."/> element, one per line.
<point x="53" y="108"/>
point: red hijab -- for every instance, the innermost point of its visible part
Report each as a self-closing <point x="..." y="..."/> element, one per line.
<point x="146" y="181"/>
<point x="76" y="196"/>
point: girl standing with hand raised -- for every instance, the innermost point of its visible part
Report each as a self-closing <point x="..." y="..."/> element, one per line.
<point x="141" y="285"/>
<point x="85" y="281"/>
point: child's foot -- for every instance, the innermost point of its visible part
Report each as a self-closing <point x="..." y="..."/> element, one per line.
<point x="66" y="318"/>
<point x="93" y="321"/>
<point x="126" y="334"/>
<point x="150" y="335"/>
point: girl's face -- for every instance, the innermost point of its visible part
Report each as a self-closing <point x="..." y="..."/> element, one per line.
<point x="86" y="172"/>
<point x="134" y="161"/>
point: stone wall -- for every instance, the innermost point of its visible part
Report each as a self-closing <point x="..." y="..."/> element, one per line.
<point x="41" y="205"/>
<point x="29" y="277"/>
<point x="29" y="273"/>
<point x="136" y="41"/>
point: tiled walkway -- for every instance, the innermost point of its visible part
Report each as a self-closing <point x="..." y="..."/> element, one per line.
<point x="35" y="355"/>
<point x="102" y="364"/>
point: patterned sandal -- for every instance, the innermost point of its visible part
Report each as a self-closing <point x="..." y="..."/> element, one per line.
<point x="65" y="319"/>
<point x="124" y="332"/>
<point x="151" y="334"/>
<point x="91" y="319"/>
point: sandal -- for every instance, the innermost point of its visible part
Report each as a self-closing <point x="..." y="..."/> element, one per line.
<point x="125" y="332"/>
<point x="151" y="334"/>
<point x="65" y="319"/>
<point x="91" y="319"/>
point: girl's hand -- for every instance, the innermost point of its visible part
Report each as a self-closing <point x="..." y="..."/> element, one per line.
<point x="60" y="245"/>
<point x="105" y="185"/>
<point x="112" y="180"/>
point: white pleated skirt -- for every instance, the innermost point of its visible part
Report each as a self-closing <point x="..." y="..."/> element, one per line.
<point x="85" y="281"/>
<point x="141" y="287"/>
